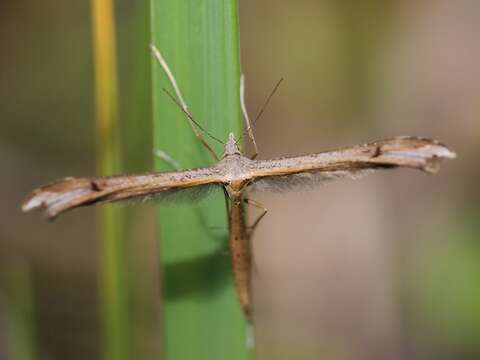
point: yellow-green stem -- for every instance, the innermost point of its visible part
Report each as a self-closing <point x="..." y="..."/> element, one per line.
<point x="113" y="284"/>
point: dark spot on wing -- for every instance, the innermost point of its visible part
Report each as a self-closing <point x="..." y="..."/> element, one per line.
<point x="378" y="151"/>
<point x="95" y="186"/>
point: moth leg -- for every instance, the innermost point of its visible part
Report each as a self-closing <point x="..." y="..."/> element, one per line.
<point x="164" y="156"/>
<point x="227" y="205"/>
<point x="260" y="217"/>
<point x="253" y="226"/>
<point x="183" y="105"/>
<point x="245" y="117"/>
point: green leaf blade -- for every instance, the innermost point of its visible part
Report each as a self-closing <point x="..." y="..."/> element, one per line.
<point x="199" y="40"/>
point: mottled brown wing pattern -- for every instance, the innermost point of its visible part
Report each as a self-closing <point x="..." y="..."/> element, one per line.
<point x="287" y="173"/>
<point x="276" y="174"/>
<point x="71" y="192"/>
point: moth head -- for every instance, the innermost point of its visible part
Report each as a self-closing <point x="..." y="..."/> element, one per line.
<point x="231" y="147"/>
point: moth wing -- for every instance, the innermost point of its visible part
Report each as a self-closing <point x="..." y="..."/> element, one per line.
<point x="71" y="192"/>
<point x="354" y="162"/>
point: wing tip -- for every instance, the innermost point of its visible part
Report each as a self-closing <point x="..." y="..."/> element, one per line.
<point x="415" y="151"/>
<point x="31" y="204"/>
<point x="35" y="202"/>
<point x="58" y="196"/>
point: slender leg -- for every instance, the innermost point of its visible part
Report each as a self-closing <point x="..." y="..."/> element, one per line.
<point x="162" y="155"/>
<point x="245" y="116"/>
<point x="183" y="105"/>
<point x="260" y="217"/>
<point x="252" y="229"/>
<point x="227" y="205"/>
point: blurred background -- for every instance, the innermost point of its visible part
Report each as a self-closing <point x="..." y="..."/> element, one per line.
<point x="383" y="268"/>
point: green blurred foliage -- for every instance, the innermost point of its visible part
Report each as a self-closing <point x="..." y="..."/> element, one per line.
<point x="444" y="306"/>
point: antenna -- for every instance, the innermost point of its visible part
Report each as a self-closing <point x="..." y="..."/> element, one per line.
<point x="248" y="131"/>
<point x="190" y="117"/>
<point x="265" y="104"/>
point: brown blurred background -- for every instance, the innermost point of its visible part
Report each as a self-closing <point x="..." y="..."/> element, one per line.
<point x="383" y="268"/>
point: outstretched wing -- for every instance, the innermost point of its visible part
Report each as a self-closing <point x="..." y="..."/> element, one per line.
<point x="71" y="192"/>
<point x="354" y="162"/>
